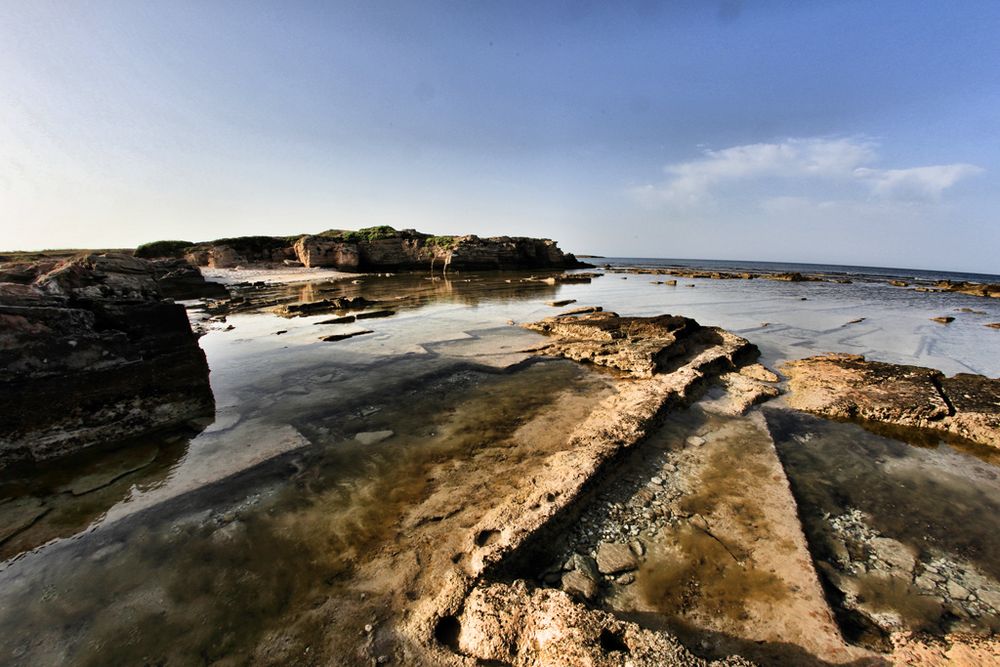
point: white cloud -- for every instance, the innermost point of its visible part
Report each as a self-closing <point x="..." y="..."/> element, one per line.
<point x="917" y="183"/>
<point x="818" y="161"/>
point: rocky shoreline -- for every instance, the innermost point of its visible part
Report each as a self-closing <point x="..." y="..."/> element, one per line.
<point x="620" y="541"/>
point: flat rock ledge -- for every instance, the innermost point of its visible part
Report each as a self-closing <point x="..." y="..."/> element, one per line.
<point x="91" y="353"/>
<point x="640" y="346"/>
<point x="846" y="386"/>
<point x="548" y="627"/>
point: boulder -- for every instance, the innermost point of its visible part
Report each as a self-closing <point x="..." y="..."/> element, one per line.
<point x="614" y="558"/>
<point x="92" y="354"/>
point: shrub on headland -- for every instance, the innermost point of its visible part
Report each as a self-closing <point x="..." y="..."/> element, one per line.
<point x="162" y="249"/>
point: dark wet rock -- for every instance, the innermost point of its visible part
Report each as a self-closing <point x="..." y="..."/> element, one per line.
<point x="180" y="280"/>
<point x="375" y="313"/>
<point x="91" y="353"/>
<point x="994" y="325"/>
<point x="792" y="277"/>
<point x="325" y="306"/>
<point x="579" y="584"/>
<point x="18" y="514"/>
<point x="346" y="319"/>
<point x="847" y="386"/>
<point x="582" y="310"/>
<point x="560" y="304"/>
<point x="344" y="336"/>
<point x="563" y="278"/>
<point x="614" y="558"/>
<point x="642" y="346"/>
<point x="944" y="319"/>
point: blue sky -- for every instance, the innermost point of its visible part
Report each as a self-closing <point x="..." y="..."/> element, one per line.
<point x="849" y="132"/>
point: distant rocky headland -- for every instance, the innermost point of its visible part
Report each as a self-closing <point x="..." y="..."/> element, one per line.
<point x="373" y="248"/>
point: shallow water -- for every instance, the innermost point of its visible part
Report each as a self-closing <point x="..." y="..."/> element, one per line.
<point x="317" y="447"/>
<point x="942" y="504"/>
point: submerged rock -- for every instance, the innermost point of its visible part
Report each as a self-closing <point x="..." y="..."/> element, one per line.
<point x="846" y="386"/>
<point x="615" y="558"/>
<point x="91" y="353"/>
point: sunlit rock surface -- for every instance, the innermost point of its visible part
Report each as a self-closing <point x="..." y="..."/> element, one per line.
<point x="847" y="386"/>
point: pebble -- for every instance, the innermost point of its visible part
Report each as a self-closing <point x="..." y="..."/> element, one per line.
<point x="696" y="441"/>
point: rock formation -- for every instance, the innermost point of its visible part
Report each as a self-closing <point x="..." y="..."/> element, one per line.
<point x="412" y="250"/>
<point x="91" y="353"/>
<point x="846" y="386"/>
<point x="371" y="249"/>
<point x="641" y="346"/>
<point x="513" y="625"/>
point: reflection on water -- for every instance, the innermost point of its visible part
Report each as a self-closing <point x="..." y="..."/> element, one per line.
<point x="43" y="503"/>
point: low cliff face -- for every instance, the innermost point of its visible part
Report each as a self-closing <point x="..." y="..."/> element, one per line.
<point x="91" y="353"/>
<point x="420" y="252"/>
<point x="372" y="249"/>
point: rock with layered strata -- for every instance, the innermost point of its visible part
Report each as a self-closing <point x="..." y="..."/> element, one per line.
<point x="641" y="346"/>
<point x="314" y="251"/>
<point x="846" y="386"/>
<point x="91" y="354"/>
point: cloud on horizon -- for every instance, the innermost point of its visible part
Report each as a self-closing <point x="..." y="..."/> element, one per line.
<point x="816" y="162"/>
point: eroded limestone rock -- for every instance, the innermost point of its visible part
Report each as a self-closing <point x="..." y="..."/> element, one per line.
<point x="845" y="386"/>
<point x="641" y="346"/>
<point x="514" y="625"/>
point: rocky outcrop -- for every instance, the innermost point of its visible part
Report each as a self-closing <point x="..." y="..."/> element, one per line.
<point x="91" y="353"/>
<point x="641" y="346"/>
<point x="846" y="386"/>
<point x="179" y="279"/>
<point x="314" y="251"/>
<point x="382" y="248"/>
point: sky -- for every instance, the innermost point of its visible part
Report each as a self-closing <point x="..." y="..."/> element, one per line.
<point x="833" y="132"/>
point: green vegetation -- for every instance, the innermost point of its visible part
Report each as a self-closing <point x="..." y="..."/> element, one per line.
<point x="445" y="242"/>
<point x="162" y="249"/>
<point x="367" y="234"/>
